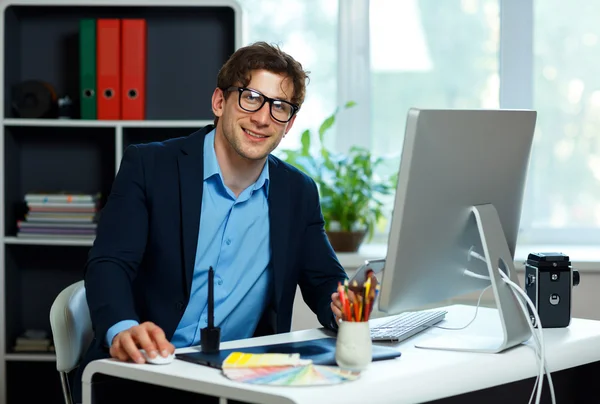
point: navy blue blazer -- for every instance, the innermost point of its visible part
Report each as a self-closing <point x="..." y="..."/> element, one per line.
<point x="142" y="261"/>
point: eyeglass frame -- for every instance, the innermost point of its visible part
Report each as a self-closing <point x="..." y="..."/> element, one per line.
<point x="240" y="90"/>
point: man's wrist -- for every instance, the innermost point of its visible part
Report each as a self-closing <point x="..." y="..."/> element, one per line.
<point x="117" y="328"/>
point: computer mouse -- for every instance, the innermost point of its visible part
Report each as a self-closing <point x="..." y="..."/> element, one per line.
<point x="158" y="359"/>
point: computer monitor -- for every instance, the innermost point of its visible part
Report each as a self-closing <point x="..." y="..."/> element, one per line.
<point x="460" y="188"/>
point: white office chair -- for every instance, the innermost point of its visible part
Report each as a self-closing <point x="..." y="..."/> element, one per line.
<point x="71" y="330"/>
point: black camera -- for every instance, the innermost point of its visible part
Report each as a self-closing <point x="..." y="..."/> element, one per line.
<point x="549" y="281"/>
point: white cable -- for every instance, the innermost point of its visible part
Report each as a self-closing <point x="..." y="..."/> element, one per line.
<point x="477" y="255"/>
<point x="476" y="275"/>
<point x="538" y="338"/>
<point x="536" y="349"/>
<point x="536" y="345"/>
<point x="474" y="316"/>
<point x="540" y="335"/>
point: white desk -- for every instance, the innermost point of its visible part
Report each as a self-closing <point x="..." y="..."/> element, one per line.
<point x="419" y="375"/>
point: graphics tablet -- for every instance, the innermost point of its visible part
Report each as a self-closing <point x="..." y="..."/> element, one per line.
<point x="320" y="351"/>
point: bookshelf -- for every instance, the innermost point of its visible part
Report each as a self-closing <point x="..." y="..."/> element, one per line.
<point x="187" y="42"/>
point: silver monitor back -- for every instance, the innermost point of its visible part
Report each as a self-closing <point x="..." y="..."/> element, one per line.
<point x="453" y="161"/>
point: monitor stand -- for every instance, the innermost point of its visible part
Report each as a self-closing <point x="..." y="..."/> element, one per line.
<point x="515" y="326"/>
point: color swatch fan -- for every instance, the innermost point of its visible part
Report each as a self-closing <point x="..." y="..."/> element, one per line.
<point x="282" y="370"/>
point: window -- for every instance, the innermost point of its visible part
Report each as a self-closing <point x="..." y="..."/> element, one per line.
<point x="563" y="200"/>
<point x="453" y="54"/>
<point x="428" y="54"/>
<point x="307" y="30"/>
<point x="398" y="54"/>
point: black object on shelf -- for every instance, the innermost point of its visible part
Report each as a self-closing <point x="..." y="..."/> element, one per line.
<point x="34" y="99"/>
<point x="65" y="108"/>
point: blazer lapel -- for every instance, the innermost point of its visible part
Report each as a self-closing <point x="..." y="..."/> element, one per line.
<point x="279" y="218"/>
<point x="191" y="182"/>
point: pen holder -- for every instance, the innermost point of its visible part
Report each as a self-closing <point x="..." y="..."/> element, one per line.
<point x="210" y="339"/>
<point x="353" y="346"/>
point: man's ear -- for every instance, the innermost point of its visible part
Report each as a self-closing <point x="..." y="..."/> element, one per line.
<point x="290" y="124"/>
<point x="218" y="102"/>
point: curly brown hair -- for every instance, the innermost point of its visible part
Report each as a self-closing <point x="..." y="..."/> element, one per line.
<point x="237" y="71"/>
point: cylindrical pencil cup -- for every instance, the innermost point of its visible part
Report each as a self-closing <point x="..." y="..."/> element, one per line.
<point x="353" y="345"/>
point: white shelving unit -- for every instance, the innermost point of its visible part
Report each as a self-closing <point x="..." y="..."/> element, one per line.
<point x="33" y="357"/>
<point x="77" y="123"/>
<point x="46" y="241"/>
<point x="187" y="42"/>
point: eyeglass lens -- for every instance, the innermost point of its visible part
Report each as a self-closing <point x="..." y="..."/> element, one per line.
<point x="252" y="101"/>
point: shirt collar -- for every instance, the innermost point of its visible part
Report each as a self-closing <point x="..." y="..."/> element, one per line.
<point x="263" y="179"/>
<point x="211" y="165"/>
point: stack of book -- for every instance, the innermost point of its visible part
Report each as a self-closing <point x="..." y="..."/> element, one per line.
<point x="33" y="341"/>
<point x="59" y="215"/>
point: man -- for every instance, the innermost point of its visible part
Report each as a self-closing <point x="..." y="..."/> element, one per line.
<point x="216" y="198"/>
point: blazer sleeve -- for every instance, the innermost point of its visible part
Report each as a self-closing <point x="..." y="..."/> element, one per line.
<point x="118" y="248"/>
<point x="321" y="271"/>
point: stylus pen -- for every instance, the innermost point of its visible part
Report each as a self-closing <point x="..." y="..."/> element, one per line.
<point x="210" y="337"/>
<point x="211" y="297"/>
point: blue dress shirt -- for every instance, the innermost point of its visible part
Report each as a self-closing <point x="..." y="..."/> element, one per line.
<point x="234" y="239"/>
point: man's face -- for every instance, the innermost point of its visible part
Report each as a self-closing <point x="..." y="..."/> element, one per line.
<point x="253" y="135"/>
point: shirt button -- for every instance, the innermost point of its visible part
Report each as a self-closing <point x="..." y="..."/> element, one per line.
<point x="228" y="241"/>
<point x="219" y="281"/>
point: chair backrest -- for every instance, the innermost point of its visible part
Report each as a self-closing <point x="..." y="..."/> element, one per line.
<point x="71" y="326"/>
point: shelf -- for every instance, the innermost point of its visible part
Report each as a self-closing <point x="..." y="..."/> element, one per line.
<point x="45" y="386"/>
<point x="48" y="241"/>
<point x="43" y="46"/>
<point x="80" y="123"/>
<point x="40" y="41"/>
<point x="31" y="357"/>
<point x="59" y="123"/>
<point x="33" y="279"/>
<point x="52" y="158"/>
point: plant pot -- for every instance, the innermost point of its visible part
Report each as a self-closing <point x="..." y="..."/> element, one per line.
<point x="346" y="241"/>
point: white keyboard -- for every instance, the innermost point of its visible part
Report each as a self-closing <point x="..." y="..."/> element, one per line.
<point x="407" y="324"/>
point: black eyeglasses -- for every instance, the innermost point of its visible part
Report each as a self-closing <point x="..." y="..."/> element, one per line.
<point x="251" y="101"/>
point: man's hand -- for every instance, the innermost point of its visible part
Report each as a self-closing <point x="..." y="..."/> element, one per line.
<point x="148" y="336"/>
<point x="336" y="306"/>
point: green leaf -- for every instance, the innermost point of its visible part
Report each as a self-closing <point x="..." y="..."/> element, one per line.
<point x="305" y="141"/>
<point x="325" y="126"/>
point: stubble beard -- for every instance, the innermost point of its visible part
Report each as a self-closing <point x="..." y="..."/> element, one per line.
<point x="237" y="144"/>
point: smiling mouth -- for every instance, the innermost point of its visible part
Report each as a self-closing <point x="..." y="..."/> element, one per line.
<point x="253" y="135"/>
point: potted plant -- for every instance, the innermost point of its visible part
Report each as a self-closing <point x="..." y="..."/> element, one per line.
<point x="351" y="192"/>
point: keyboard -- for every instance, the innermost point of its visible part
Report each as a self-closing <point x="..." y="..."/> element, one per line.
<point x="406" y="325"/>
